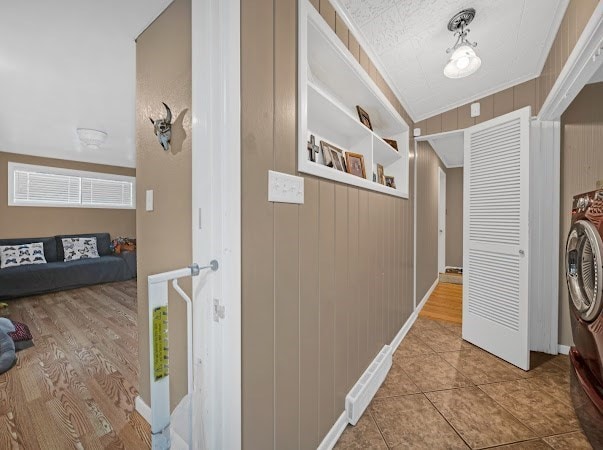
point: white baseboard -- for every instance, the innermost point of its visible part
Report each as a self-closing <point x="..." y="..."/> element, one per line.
<point x="563" y="349"/>
<point x="334" y="433"/>
<point x="143" y="409"/>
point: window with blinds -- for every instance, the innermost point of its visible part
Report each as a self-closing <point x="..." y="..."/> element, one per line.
<point x="50" y="186"/>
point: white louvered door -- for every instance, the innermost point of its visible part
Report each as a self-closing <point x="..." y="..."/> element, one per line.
<point x="495" y="254"/>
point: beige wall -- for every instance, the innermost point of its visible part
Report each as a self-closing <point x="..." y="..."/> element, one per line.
<point x="163" y="74"/>
<point x="25" y="221"/>
<point x="581" y="169"/>
<point x="427" y="195"/>
<point x="325" y="284"/>
<point x="532" y="92"/>
<point x="454" y="217"/>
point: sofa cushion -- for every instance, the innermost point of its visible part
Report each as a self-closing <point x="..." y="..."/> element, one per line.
<point x="103" y="243"/>
<point x="42" y="278"/>
<point x="21" y="255"/>
<point x="50" y="245"/>
<point x="79" y="248"/>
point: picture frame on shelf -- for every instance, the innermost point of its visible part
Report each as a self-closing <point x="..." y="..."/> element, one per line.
<point x="390" y="182"/>
<point x="355" y="164"/>
<point x="393" y="143"/>
<point x="364" y="118"/>
<point x="326" y="154"/>
<point x="334" y="155"/>
<point x="380" y="174"/>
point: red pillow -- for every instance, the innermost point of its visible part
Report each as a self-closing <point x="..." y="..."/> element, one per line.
<point x="21" y="332"/>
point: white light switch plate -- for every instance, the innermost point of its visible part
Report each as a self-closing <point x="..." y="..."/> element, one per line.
<point x="285" y="188"/>
<point x="475" y="109"/>
<point x="149" y="205"/>
<point x="416" y="132"/>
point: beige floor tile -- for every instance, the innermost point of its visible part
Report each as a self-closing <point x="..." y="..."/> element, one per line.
<point x="431" y="372"/>
<point x="397" y="383"/>
<point x="534" y="405"/>
<point x="411" y="422"/>
<point x="454" y="328"/>
<point x="411" y="345"/>
<point x="441" y="340"/>
<point x="364" y="435"/>
<point x="481" y="367"/>
<point x="526" y="445"/>
<point x="575" y="441"/>
<point x="479" y="419"/>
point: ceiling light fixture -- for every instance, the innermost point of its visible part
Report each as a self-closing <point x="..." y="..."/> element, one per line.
<point x="90" y="138"/>
<point x="463" y="61"/>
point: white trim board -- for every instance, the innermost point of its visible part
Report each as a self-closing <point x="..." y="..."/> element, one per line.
<point x="563" y="349"/>
<point x="339" y="426"/>
<point x="142" y="408"/>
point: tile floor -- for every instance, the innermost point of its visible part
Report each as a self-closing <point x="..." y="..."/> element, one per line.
<point x="444" y="393"/>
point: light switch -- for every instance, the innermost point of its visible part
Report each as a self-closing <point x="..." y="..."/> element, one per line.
<point x="285" y="188"/>
<point x="149" y="206"/>
<point x="416" y="132"/>
<point x="475" y="109"/>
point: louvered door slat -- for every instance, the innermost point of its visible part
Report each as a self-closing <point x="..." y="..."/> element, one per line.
<point x="496" y="171"/>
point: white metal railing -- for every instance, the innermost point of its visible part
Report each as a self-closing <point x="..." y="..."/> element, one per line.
<point x="158" y="345"/>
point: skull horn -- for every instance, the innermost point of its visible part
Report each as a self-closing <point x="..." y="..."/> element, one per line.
<point x="168" y="118"/>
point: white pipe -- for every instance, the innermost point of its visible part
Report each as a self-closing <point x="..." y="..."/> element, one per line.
<point x="167" y="276"/>
<point x="189" y="332"/>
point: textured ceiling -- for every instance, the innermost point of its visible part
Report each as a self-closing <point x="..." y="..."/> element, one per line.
<point x="67" y="64"/>
<point x="409" y="39"/>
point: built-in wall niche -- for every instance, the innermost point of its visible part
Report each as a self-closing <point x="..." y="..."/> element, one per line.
<point x="332" y="84"/>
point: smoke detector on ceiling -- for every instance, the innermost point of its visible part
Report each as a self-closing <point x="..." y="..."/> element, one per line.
<point x="90" y="138"/>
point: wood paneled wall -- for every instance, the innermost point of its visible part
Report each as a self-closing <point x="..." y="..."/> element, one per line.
<point x="427" y="194"/>
<point x="581" y="169"/>
<point x="532" y="92"/>
<point x="325" y="284"/>
<point x="454" y="217"/>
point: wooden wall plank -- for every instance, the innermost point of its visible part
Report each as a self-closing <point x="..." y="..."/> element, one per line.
<point x="364" y="265"/>
<point x="355" y="277"/>
<point x="503" y="102"/>
<point x="328" y="296"/>
<point x="342" y="300"/>
<point x="257" y="109"/>
<point x="524" y="94"/>
<point x="464" y="116"/>
<point x="286" y="234"/>
<point x="309" y="307"/>
<point x="486" y="109"/>
<point x="353" y="46"/>
<point x="328" y="13"/>
<point x="342" y="30"/>
<point x="450" y="120"/>
<point x="364" y="60"/>
<point x="433" y="125"/>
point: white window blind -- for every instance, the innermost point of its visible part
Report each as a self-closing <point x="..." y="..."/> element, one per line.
<point x="50" y="186"/>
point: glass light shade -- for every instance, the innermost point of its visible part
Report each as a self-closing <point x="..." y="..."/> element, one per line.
<point x="92" y="139"/>
<point x="462" y="63"/>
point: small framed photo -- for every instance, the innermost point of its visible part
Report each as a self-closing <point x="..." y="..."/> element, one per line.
<point x="380" y="174"/>
<point x="390" y="182"/>
<point x="364" y="117"/>
<point x="355" y="163"/>
<point x="333" y="156"/>
<point x="392" y="142"/>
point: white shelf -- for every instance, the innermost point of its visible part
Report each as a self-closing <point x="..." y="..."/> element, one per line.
<point x="327" y="110"/>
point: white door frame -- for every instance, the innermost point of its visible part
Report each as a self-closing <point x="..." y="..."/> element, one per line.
<point x="216" y="176"/>
<point x="441" y="217"/>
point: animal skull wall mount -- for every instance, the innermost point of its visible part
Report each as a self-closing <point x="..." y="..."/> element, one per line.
<point x="163" y="128"/>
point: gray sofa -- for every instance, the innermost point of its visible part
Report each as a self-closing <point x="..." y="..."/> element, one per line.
<point x="58" y="275"/>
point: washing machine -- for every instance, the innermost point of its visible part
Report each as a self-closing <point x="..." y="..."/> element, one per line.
<point x="584" y="273"/>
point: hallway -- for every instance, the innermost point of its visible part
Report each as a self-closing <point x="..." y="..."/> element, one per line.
<point x="443" y="392"/>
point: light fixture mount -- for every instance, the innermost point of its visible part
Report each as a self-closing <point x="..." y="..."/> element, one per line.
<point x="461" y="19"/>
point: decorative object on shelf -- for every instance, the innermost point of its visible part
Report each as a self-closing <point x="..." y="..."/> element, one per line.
<point x="380" y="174"/>
<point x="326" y="154"/>
<point x="163" y="128"/>
<point x="313" y="149"/>
<point x="90" y="138"/>
<point x="392" y="142"/>
<point x="335" y="156"/>
<point x="355" y="163"/>
<point x="390" y="182"/>
<point x="364" y="117"/>
<point x="463" y="61"/>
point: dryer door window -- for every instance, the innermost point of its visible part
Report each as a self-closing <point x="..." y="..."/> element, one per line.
<point x="584" y="270"/>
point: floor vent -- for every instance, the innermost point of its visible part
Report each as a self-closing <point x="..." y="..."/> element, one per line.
<point x="365" y="389"/>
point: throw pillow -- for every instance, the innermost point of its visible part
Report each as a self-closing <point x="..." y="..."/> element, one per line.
<point x="80" y="248"/>
<point x="21" y="255"/>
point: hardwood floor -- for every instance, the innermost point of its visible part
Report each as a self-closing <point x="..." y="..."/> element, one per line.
<point x="76" y="387"/>
<point x="445" y="303"/>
